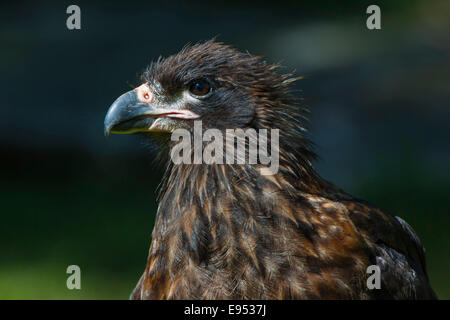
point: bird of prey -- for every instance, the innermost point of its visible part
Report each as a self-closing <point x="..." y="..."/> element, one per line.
<point x="237" y="231"/>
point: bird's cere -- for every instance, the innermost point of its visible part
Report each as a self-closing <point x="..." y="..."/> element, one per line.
<point x="144" y="93"/>
<point x="237" y="146"/>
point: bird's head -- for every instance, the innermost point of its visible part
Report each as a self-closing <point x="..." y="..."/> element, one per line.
<point x="222" y="87"/>
<point x="211" y="82"/>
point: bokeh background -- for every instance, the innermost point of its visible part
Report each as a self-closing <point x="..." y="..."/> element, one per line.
<point x="380" y="116"/>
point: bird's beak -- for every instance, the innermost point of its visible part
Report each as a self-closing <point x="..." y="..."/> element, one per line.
<point x="136" y="110"/>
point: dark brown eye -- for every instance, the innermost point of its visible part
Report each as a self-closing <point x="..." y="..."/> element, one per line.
<point x="200" y="88"/>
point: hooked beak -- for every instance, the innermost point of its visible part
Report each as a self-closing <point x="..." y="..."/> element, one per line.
<point x="135" y="111"/>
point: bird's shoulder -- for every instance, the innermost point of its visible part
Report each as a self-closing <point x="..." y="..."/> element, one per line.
<point x="394" y="246"/>
<point x="380" y="227"/>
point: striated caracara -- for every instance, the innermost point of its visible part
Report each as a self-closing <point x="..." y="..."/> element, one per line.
<point x="237" y="230"/>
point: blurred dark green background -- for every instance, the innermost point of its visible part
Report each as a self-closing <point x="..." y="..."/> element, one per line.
<point x="380" y="103"/>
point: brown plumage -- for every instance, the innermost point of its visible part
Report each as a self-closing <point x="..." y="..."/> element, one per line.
<point x="226" y="231"/>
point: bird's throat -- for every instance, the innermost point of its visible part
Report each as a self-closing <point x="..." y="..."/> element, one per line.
<point x="211" y="218"/>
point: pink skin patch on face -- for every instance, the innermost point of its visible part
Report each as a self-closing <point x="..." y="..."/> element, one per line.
<point x="145" y="95"/>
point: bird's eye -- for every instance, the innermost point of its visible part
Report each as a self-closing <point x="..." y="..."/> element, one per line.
<point x="200" y="88"/>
